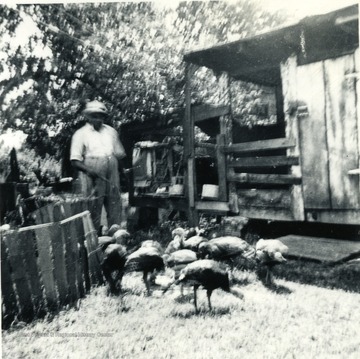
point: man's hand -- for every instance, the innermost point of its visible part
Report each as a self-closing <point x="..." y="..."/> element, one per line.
<point x="82" y="167"/>
<point x="92" y="173"/>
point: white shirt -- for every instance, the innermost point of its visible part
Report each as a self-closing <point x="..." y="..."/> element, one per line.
<point x="87" y="142"/>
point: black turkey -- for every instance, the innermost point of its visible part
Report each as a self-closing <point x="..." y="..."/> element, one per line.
<point x="210" y="275"/>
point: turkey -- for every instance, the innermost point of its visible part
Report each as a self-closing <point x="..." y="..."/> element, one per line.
<point x="114" y="258"/>
<point x="174" y="245"/>
<point x="189" y="239"/>
<point x="113" y="229"/>
<point x="210" y="275"/>
<point x="121" y="236"/>
<point x="181" y="257"/>
<point x="146" y="259"/>
<point x="177" y="261"/>
<point x="149" y="243"/>
<point x="177" y="236"/>
<point x="178" y="231"/>
<point x="113" y="262"/>
<point x="268" y="254"/>
<point x="194" y="241"/>
<point x="227" y="248"/>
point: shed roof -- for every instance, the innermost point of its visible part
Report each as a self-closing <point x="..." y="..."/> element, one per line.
<point x="257" y="58"/>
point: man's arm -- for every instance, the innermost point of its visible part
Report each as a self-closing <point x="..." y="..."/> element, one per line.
<point x="82" y="167"/>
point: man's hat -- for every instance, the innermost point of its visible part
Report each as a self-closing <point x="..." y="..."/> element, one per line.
<point x="95" y="107"/>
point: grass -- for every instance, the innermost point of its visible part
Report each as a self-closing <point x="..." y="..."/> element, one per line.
<point x="300" y="321"/>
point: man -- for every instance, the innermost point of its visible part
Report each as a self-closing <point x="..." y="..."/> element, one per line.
<point x="97" y="153"/>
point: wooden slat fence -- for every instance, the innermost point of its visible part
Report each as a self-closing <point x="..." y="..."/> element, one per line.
<point x="59" y="210"/>
<point x="47" y="266"/>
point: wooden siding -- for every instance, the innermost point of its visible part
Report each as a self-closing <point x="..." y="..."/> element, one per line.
<point x="329" y="133"/>
<point x="266" y="161"/>
<point x="357" y="69"/>
<point x="313" y="142"/>
<point x="342" y="132"/>
<point x="288" y="75"/>
<point x="254" y="146"/>
<point x="270" y="198"/>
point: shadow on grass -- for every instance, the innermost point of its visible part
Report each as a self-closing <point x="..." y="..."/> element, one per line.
<point x="186" y="298"/>
<point x="327" y="275"/>
<point x="277" y="288"/>
<point x="202" y="312"/>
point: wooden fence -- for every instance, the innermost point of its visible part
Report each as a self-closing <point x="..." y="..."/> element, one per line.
<point x="59" y="210"/>
<point x="47" y="266"/>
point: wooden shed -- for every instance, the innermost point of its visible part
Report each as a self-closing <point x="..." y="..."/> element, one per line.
<point x="305" y="166"/>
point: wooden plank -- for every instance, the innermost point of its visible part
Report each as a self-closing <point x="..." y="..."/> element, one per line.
<point x="67" y="209"/>
<point x="43" y="236"/>
<point x="9" y="307"/>
<point x="272" y="198"/>
<point x="254" y="178"/>
<point x="274" y="214"/>
<point x="266" y="161"/>
<point x="58" y="212"/>
<point x="16" y="260"/>
<point x="94" y="206"/>
<point x="313" y="142"/>
<point x="91" y="244"/>
<point x="212" y="206"/>
<point x="273" y="144"/>
<point x="45" y="213"/>
<point x="178" y="203"/>
<point x="189" y="148"/>
<point x="60" y="276"/>
<point x="334" y="216"/>
<point x="83" y="279"/>
<point x="221" y="167"/>
<point x="233" y="198"/>
<point x="204" y="112"/>
<point x="342" y="132"/>
<point x="78" y="247"/>
<point x="322" y="249"/>
<point x="207" y="149"/>
<point x="70" y="259"/>
<point x="191" y="182"/>
<point x="357" y="69"/>
<point x="289" y="88"/>
<point x="76" y="207"/>
<point x="27" y="245"/>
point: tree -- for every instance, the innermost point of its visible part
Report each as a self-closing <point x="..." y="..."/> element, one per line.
<point x="126" y="54"/>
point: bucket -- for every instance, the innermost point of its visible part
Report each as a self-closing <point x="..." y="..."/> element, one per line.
<point x="210" y="191"/>
<point x="176" y="190"/>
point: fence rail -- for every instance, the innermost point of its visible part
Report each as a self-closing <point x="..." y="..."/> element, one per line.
<point x="47" y="266"/>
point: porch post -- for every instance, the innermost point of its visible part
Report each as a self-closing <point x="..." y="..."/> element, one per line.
<point x="189" y="149"/>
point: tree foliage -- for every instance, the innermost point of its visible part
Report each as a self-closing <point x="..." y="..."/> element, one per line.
<point x="128" y="55"/>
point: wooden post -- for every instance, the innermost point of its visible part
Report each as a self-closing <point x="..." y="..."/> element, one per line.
<point x="357" y="68"/>
<point x="289" y="75"/>
<point x="189" y="149"/>
<point x="226" y="131"/>
<point x="221" y="165"/>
